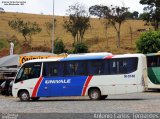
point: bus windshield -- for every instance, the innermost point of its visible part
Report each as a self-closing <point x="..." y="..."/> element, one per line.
<point x="29" y="71"/>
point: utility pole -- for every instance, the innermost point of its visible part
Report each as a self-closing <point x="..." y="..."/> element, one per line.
<point x="53" y="30"/>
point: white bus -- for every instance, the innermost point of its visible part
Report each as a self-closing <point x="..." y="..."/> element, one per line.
<point x="96" y="75"/>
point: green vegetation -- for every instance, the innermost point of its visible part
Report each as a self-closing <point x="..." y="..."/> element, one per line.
<point x="80" y="48"/>
<point x="49" y="26"/>
<point x="78" y="22"/>
<point x="115" y="16"/>
<point x="3" y="44"/>
<point x="152" y="14"/>
<point x="59" y="46"/>
<point x="26" y="29"/>
<point x="96" y="37"/>
<point x="149" y="42"/>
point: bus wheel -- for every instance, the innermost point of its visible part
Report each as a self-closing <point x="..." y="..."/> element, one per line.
<point x="94" y="94"/>
<point x="35" y="98"/>
<point x="103" y="97"/>
<point x="24" y="96"/>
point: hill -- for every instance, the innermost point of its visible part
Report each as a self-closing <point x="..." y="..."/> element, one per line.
<point x="95" y="37"/>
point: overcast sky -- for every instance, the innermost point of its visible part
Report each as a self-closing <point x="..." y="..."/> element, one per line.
<point x="46" y="6"/>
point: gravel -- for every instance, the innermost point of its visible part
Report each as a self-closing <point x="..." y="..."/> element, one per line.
<point x="147" y="102"/>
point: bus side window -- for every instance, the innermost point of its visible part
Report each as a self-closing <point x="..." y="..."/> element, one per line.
<point x="75" y="68"/>
<point x="96" y="67"/>
<point x="35" y="72"/>
<point x="152" y="61"/>
<point x="123" y="66"/>
<point x="70" y="68"/>
<point x="52" y="69"/>
<point x="82" y="68"/>
<point x="106" y="67"/>
<point x="131" y="64"/>
<point x="113" y="67"/>
<point x="158" y="60"/>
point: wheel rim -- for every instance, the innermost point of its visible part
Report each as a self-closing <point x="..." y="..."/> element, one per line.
<point x="94" y="95"/>
<point x="24" y="96"/>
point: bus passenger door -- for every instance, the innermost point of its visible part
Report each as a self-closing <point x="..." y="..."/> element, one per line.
<point x="51" y="84"/>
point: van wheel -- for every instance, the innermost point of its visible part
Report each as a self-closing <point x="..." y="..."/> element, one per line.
<point x="24" y="96"/>
<point x="103" y="97"/>
<point x="35" y="98"/>
<point x="94" y="94"/>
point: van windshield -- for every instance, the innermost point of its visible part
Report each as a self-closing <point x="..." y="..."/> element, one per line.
<point x="29" y="71"/>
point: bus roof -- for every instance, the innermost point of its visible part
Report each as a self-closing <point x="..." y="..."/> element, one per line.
<point x="44" y="60"/>
<point x="128" y="55"/>
<point x="88" y="56"/>
<point x="153" y="54"/>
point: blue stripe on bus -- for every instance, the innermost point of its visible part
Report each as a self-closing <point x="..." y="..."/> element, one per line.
<point x="59" y="86"/>
<point x="83" y="58"/>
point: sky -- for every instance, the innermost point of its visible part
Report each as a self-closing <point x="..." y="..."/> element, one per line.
<point x="60" y="6"/>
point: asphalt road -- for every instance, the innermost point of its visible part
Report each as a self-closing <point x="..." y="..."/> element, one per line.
<point x="148" y="102"/>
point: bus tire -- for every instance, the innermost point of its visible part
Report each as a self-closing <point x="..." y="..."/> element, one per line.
<point x="24" y="95"/>
<point x="94" y="94"/>
<point x="35" y="98"/>
<point x="103" y="97"/>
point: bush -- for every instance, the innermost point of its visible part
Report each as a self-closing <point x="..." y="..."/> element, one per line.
<point x="80" y="48"/>
<point x="70" y="51"/>
<point x="59" y="46"/>
<point x="3" y="44"/>
<point x="149" y="42"/>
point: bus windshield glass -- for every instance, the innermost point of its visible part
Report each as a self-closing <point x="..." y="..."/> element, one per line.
<point x="29" y="71"/>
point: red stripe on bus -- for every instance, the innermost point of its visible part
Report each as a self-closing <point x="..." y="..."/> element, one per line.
<point x="109" y="57"/>
<point x="86" y="85"/>
<point x="34" y="94"/>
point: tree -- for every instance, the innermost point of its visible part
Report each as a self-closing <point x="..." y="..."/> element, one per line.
<point x="59" y="46"/>
<point x="149" y="42"/>
<point x="129" y="15"/>
<point x="27" y="29"/>
<point x="116" y="16"/>
<point x="70" y="26"/>
<point x="144" y="16"/>
<point x="105" y="23"/>
<point x="49" y="26"/>
<point x="2" y="10"/>
<point x="83" y="24"/>
<point x="153" y="10"/>
<point x="135" y="14"/>
<point x="77" y="23"/>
